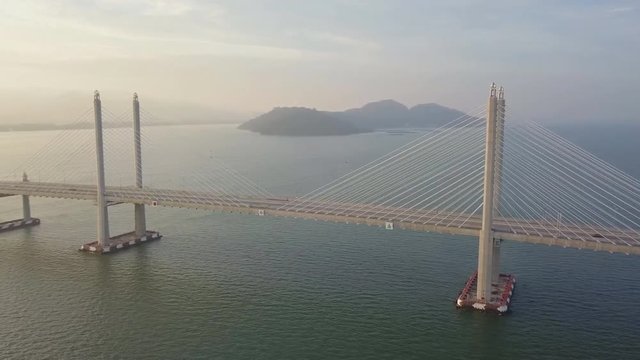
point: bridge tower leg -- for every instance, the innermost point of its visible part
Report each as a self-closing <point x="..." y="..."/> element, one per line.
<point x="26" y="204"/>
<point x="103" y="210"/>
<point x="495" y="273"/>
<point x="485" y="248"/>
<point x="140" y="217"/>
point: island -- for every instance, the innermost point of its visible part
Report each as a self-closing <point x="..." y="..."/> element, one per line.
<point x="384" y="114"/>
<point x="300" y="121"/>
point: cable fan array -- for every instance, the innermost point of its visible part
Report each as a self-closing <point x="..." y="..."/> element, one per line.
<point x="64" y="158"/>
<point x="560" y="190"/>
<point x="212" y="175"/>
<point x="438" y="173"/>
<point x="69" y="158"/>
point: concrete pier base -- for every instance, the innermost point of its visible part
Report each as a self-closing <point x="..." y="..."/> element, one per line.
<point x="18" y="224"/>
<point x="120" y="242"/>
<point x="499" y="301"/>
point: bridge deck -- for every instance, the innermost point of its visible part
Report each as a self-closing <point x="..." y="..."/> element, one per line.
<point x="541" y="231"/>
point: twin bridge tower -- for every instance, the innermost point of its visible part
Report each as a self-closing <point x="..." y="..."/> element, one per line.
<point x="104" y="243"/>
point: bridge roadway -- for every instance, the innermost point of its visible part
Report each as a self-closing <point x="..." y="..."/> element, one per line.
<point x="540" y="231"/>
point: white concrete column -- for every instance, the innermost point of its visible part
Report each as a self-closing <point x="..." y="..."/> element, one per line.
<point x="500" y="115"/>
<point x="485" y="245"/>
<point x="498" y="179"/>
<point x="495" y="266"/>
<point x="140" y="217"/>
<point x="26" y="204"/>
<point x="103" y="211"/>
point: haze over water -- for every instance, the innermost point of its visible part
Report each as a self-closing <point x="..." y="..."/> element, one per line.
<point x="242" y="287"/>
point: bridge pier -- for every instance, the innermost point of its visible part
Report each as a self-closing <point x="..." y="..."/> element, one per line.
<point x="104" y="243"/>
<point x="26" y="207"/>
<point x="495" y="266"/>
<point x="101" y="202"/>
<point x="488" y="289"/>
<point x="26" y="204"/>
<point x="27" y="220"/>
<point x="499" y="149"/>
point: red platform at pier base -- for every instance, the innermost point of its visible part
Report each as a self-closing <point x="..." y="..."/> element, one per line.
<point x="120" y="242"/>
<point x="501" y="294"/>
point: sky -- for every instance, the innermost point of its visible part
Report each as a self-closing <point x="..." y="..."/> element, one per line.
<point x="560" y="61"/>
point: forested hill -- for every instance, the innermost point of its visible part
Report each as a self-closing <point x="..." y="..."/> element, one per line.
<point x="385" y="114"/>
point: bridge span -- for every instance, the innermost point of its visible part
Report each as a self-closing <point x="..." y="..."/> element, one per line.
<point x="543" y="231"/>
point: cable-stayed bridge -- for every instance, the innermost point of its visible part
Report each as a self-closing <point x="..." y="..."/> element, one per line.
<point x="455" y="223"/>
<point x="473" y="176"/>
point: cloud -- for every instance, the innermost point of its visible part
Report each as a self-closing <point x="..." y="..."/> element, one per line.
<point x="344" y="40"/>
<point x="619" y="10"/>
<point x="167" y="8"/>
<point x="148" y="7"/>
<point x="184" y="28"/>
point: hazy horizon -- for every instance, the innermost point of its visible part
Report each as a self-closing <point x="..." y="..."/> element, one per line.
<point x="573" y="61"/>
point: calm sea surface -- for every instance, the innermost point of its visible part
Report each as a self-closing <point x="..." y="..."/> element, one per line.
<point x="245" y="287"/>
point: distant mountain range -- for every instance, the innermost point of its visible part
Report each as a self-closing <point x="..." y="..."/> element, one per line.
<point x="384" y="114"/>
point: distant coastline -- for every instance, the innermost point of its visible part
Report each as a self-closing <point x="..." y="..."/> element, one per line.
<point x="107" y="125"/>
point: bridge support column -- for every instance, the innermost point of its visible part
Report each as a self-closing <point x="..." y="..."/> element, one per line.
<point x="499" y="147"/>
<point x="495" y="266"/>
<point x="139" y="210"/>
<point x="26" y="204"/>
<point x="101" y="203"/>
<point x="27" y="220"/>
<point x="485" y="248"/>
<point x="102" y="221"/>
<point x="487" y="289"/>
<point x="140" y="220"/>
<point x="26" y="207"/>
